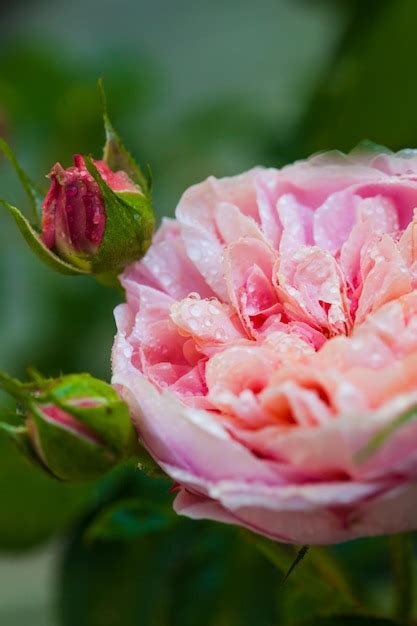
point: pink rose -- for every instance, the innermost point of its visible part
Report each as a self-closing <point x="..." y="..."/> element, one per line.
<point x="269" y="334"/>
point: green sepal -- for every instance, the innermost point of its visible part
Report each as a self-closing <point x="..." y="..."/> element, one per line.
<point x="68" y="455"/>
<point x="19" y="436"/>
<point x="110" y="279"/>
<point x="37" y="246"/>
<point x="19" y="391"/>
<point x="116" y="156"/>
<point x="145" y="462"/>
<point x="129" y="227"/>
<point x="34" y="192"/>
<point x="109" y="421"/>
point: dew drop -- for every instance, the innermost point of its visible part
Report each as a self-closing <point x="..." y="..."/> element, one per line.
<point x="193" y="324"/>
<point x="194" y="253"/>
<point x="165" y="280"/>
<point x="220" y="335"/>
<point x="213" y="309"/>
<point x="196" y="310"/>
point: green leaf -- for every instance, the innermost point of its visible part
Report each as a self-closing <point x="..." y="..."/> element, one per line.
<point x="130" y="518"/>
<point x="37" y="246"/>
<point x="116" y="155"/>
<point x="33" y="191"/>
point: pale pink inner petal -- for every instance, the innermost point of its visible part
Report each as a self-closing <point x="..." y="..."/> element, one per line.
<point x="267" y="207"/>
<point x="297" y="223"/>
<point x="385" y="277"/>
<point x="207" y="321"/>
<point x="334" y="220"/>
<point x="313" y="290"/>
<point x="248" y="266"/>
<point x="232" y="224"/>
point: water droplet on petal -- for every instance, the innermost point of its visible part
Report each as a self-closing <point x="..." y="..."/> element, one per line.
<point x="213" y="309"/>
<point x="220" y="335"/>
<point x="194" y="253"/>
<point x="196" y="309"/>
<point x="193" y="324"/>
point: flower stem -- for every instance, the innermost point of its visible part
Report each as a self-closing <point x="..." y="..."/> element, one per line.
<point x="401" y="550"/>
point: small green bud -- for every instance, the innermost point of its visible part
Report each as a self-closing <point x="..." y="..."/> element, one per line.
<point x="75" y="427"/>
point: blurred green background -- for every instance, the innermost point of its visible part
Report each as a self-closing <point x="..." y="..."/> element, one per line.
<point x="195" y="88"/>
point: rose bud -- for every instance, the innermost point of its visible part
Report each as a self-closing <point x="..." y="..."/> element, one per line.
<point x="73" y="212"/>
<point x="96" y="217"/>
<point x="75" y="427"/>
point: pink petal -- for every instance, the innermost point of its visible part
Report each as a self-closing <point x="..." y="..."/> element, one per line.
<point x="207" y="321"/>
<point x="184" y="437"/>
<point x="248" y="265"/>
<point x="167" y="267"/>
<point x="385" y="277"/>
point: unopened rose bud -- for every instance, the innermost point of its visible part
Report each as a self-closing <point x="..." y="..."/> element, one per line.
<point x="97" y="215"/>
<point x="76" y="427"/>
<point x="74" y="210"/>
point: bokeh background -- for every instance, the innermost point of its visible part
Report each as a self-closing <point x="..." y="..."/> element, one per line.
<point x="195" y="88"/>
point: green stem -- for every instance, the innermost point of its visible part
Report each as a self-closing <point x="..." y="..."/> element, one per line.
<point x="401" y="550"/>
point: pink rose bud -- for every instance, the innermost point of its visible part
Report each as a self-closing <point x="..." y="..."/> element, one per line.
<point x="74" y="212"/>
<point x="97" y="215"/>
<point x="75" y="427"/>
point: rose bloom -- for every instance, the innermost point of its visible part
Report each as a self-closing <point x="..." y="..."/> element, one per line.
<point x="269" y="334"/>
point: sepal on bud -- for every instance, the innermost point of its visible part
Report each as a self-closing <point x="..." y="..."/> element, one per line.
<point x="75" y="427"/>
<point x="97" y="216"/>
